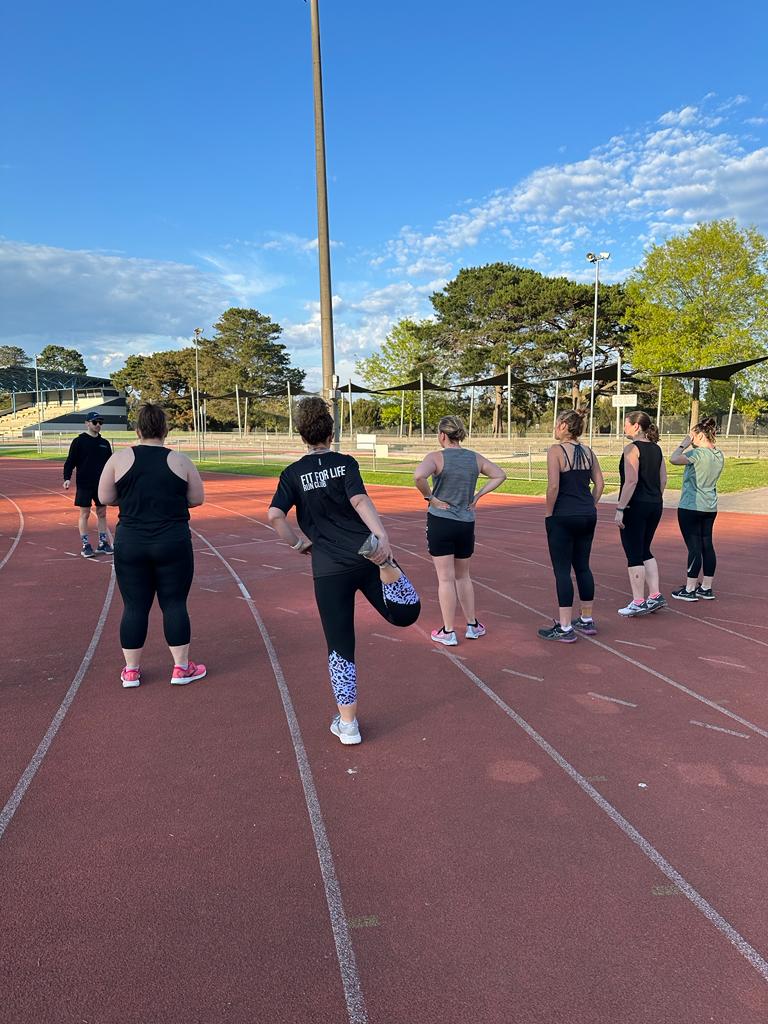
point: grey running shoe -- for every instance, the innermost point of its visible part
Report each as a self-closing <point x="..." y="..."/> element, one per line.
<point x="633" y="609"/>
<point x="685" y="595"/>
<point x="88" y="551"/>
<point x="585" y="626"/>
<point x="348" y="732"/>
<point x="556" y="632"/>
<point x="370" y="546"/>
<point x="705" y="593"/>
<point x="654" y="603"/>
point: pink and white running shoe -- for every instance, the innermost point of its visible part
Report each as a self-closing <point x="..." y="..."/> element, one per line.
<point x="183" y="674"/>
<point x="130" y="678"/>
<point x="475" y="630"/>
<point x="444" y="637"/>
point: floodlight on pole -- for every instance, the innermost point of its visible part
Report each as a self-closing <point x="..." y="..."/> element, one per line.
<point x="597" y="259"/>
<point x="330" y="393"/>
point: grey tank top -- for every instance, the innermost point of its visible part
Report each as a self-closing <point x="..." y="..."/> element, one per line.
<point x="456" y="484"/>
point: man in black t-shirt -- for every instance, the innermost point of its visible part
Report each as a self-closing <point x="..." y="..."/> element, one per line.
<point x="88" y="454"/>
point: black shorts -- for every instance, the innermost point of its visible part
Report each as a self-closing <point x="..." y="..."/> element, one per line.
<point x="450" y="537"/>
<point x="85" y="496"/>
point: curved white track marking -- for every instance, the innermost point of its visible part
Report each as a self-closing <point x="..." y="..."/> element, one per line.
<point x="30" y="771"/>
<point x="625" y="657"/>
<point x="345" y="953"/>
<point x="703" y="906"/>
<point x="19" y="532"/>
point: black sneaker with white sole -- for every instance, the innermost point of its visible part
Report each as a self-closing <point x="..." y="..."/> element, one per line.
<point x="685" y="595"/>
<point x="556" y="632"/>
<point x="654" y="603"/>
<point x="704" y="593"/>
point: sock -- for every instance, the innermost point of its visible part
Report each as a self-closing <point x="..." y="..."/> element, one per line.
<point x="654" y="596"/>
<point x="102" y="538"/>
<point x="566" y="629"/>
<point x="637" y="602"/>
<point x="586" y="618"/>
<point x="84" y="538"/>
<point x="475" y="623"/>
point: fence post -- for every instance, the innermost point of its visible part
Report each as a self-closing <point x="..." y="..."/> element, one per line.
<point x="669" y="443"/>
<point x="263" y="455"/>
<point x="218" y="445"/>
<point x="530" y="464"/>
<point x="738" y="446"/>
<point x="374" y="460"/>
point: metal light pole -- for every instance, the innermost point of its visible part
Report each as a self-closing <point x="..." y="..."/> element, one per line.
<point x="198" y="333"/>
<point x="596" y="259"/>
<point x="323" y="236"/>
<point x="38" y="403"/>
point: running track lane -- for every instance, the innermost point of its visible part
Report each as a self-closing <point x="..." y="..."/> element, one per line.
<point x="162" y="866"/>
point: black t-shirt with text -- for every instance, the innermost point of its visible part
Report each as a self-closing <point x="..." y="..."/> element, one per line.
<point x="320" y="487"/>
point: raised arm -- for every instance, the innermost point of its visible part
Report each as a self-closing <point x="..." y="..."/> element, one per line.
<point x="678" y="456"/>
<point x="496" y="477"/>
<point x="553" y="479"/>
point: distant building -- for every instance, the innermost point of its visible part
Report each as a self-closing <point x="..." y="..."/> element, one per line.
<point x="62" y="402"/>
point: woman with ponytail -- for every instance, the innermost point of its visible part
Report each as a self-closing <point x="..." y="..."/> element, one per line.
<point x="451" y="502"/>
<point x="643" y="479"/>
<point x="574" y="485"/>
<point x="697" y="509"/>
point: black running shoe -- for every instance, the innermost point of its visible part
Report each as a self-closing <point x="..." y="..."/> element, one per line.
<point x="556" y="632"/>
<point x="685" y="595"/>
<point x="704" y="593"/>
<point x="105" y="548"/>
<point x="88" y="551"/>
<point x="654" y="603"/>
<point x="585" y="626"/>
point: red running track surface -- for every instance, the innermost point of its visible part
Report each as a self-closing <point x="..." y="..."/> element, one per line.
<point x="529" y="832"/>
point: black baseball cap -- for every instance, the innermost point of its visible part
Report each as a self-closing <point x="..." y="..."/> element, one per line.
<point x="92" y="416"/>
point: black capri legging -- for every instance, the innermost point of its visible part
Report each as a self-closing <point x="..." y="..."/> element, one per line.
<point x="640" y="521"/>
<point x="570" y="544"/>
<point x="144" y="567"/>
<point x="397" y="602"/>
<point x="696" y="528"/>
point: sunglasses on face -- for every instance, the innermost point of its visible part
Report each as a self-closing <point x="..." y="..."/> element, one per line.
<point x="98" y="423"/>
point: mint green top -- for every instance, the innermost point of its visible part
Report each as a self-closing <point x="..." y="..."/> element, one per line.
<point x="700" y="479"/>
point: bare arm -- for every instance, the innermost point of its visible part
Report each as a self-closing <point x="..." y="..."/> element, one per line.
<point x="195" y="488"/>
<point x="285" y="531"/>
<point x="598" y="480"/>
<point x="678" y="456"/>
<point x="663" y="474"/>
<point x="631" y="471"/>
<point x="496" y="476"/>
<point x="553" y="478"/>
<point x="365" y="508"/>
<point x="427" y="467"/>
<point x="107" y="487"/>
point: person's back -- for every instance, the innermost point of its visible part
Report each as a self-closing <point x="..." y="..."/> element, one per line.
<point x="152" y="498"/>
<point x="574" y="497"/>
<point x="700" y="476"/>
<point x="648" y="487"/>
<point x="455" y="485"/>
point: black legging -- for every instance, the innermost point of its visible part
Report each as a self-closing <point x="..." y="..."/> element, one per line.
<point x="145" y="567"/>
<point x="570" y="544"/>
<point x="641" y="519"/>
<point x="696" y="528"/>
<point x="397" y="602"/>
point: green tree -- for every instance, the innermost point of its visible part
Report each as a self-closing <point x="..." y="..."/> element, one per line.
<point x="162" y="377"/>
<point x="12" y="355"/>
<point x="701" y="299"/>
<point x="56" y="357"/>
<point x="409" y="350"/>
<point x="501" y="315"/>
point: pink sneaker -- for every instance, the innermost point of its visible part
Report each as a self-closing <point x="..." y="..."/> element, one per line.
<point x="189" y="674"/>
<point x="447" y="639"/>
<point x="475" y="630"/>
<point x="130" y="678"/>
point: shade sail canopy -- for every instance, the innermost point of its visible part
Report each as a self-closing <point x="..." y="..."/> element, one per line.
<point x="603" y="373"/>
<point x="724" y="372"/>
<point x="499" y="380"/>
<point x="412" y="385"/>
<point x="21" y="379"/>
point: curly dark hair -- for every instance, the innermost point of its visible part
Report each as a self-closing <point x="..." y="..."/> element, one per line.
<point x="151" y="421"/>
<point x="313" y="421"/>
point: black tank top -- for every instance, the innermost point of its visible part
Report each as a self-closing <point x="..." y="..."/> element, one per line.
<point x="151" y="497"/>
<point x="574" y="497"/>
<point x="649" y="472"/>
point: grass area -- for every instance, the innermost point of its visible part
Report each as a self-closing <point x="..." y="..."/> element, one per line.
<point x="738" y="475"/>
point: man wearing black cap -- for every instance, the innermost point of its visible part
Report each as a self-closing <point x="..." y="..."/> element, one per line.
<point x="88" y="454"/>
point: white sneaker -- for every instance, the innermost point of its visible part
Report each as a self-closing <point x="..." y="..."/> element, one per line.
<point x="348" y="732"/>
<point x="476" y="631"/>
<point x="633" y="609"/>
<point x="440" y="636"/>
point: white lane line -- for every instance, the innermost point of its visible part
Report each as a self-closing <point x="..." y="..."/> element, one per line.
<point x="613" y="700"/>
<point x="719" y="728"/>
<point x="632" y="661"/>
<point x="290" y="611"/>
<point x="523" y="675"/>
<point x="383" y="636"/>
<point x="19" y="532"/>
<point x="345" y="953"/>
<point x="243" y="560"/>
<point x="720" y="661"/>
<point x="208" y="590"/>
<point x="738" y="622"/>
<point x="265" y="564"/>
<point x="631" y="643"/>
<point x="643" y="844"/>
<point x="502" y="615"/>
<point x="30" y="771"/>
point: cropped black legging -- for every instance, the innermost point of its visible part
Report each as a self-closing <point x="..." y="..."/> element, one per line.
<point x="570" y="544"/>
<point x="696" y="528"/>
<point x="397" y="602"/>
<point x="144" y="567"/>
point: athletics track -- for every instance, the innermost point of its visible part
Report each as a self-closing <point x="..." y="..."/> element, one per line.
<point x="529" y="833"/>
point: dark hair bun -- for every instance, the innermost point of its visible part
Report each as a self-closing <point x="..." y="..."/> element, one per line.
<point x="313" y="420"/>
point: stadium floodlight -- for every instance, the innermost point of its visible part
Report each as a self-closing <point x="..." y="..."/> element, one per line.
<point x="596" y="259"/>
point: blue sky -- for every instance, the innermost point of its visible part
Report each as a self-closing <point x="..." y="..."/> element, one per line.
<point x="157" y="161"/>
